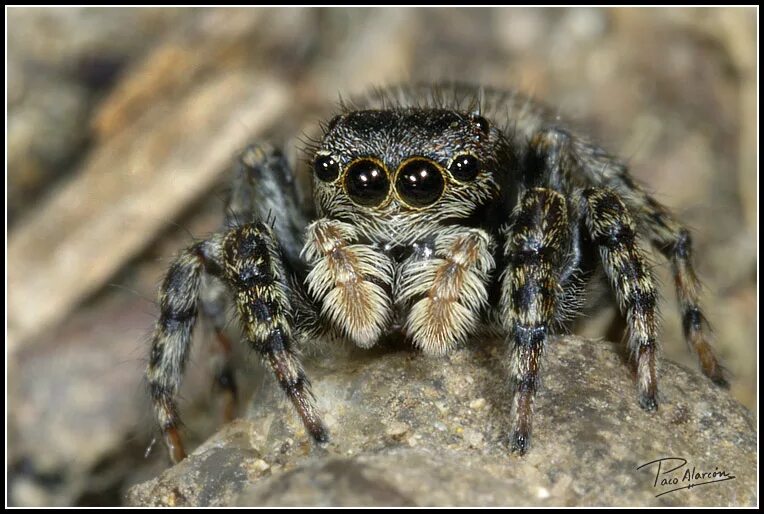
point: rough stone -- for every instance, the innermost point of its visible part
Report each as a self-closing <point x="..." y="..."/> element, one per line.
<point x="404" y="432"/>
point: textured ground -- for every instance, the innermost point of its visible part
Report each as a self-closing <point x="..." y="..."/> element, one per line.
<point x="412" y="430"/>
<point x="121" y="123"/>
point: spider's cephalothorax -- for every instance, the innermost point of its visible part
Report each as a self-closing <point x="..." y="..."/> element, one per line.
<point x="403" y="196"/>
<point x="439" y="212"/>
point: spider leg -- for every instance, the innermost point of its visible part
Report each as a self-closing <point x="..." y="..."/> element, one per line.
<point x="248" y="260"/>
<point x="253" y="268"/>
<point x="674" y="242"/>
<point x="263" y="188"/>
<point x="583" y="165"/>
<point x="170" y="343"/>
<point x="536" y="251"/>
<point x="447" y="291"/>
<point x="613" y="231"/>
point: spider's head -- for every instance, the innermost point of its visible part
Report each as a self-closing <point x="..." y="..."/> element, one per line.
<point x="402" y="166"/>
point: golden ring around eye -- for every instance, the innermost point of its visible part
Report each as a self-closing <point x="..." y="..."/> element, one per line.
<point x="419" y="182"/>
<point x="366" y="182"/>
<point x="326" y="168"/>
<point x="464" y="167"/>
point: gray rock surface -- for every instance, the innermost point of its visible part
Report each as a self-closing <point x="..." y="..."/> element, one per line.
<point x="414" y="430"/>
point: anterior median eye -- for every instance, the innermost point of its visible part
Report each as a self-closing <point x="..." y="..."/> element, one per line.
<point x="326" y="168"/>
<point x="366" y="182"/>
<point x="419" y="183"/>
<point x="464" y="167"/>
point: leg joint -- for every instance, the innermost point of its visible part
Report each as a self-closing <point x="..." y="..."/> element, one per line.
<point x="527" y="383"/>
<point x="683" y="245"/>
<point x="549" y="138"/>
<point x="692" y="320"/>
<point x="529" y="336"/>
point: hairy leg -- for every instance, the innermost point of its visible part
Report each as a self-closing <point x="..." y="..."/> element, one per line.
<point x="613" y="231"/>
<point x="581" y="164"/>
<point x="252" y="266"/>
<point x="675" y="243"/>
<point x="248" y="260"/>
<point x="446" y="291"/>
<point x="170" y="343"/>
<point x="263" y="188"/>
<point x="352" y="281"/>
<point x="536" y="250"/>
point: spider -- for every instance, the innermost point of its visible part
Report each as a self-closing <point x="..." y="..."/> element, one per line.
<point x="439" y="211"/>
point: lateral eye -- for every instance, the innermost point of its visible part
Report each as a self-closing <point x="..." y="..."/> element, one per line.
<point x="326" y="168"/>
<point x="464" y="167"/>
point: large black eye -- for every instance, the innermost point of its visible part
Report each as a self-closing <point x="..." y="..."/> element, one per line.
<point x="326" y="168"/>
<point x="419" y="183"/>
<point x="366" y="182"/>
<point x="464" y="167"/>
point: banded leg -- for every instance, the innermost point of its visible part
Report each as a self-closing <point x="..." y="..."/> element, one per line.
<point x="252" y="266"/>
<point x="213" y="306"/>
<point x="674" y="242"/>
<point x="263" y="188"/>
<point x="352" y="281"/>
<point x="613" y="231"/>
<point x="447" y="291"/>
<point x="170" y="343"/>
<point x="248" y="260"/>
<point x="580" y="161"/>
<point x="536" y="250"/>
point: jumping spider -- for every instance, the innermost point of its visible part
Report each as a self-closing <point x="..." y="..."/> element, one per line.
<point x="438" y="212"/>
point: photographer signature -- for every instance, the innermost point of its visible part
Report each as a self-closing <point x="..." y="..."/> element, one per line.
<point x="673" y="472"/>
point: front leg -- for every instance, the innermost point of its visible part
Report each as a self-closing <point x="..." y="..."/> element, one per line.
<point x="536" y="248"/>
<point x="252" y="265"/>
<point x="248" y="261"/>
<point x="351" y="281"/>
<point x="556" y="157"/>
<point x="447" y="290"/>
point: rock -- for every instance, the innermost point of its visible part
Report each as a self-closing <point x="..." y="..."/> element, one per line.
<point x="408" y="429"/>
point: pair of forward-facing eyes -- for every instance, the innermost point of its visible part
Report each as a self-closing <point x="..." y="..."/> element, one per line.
<point x="417" y="182"/>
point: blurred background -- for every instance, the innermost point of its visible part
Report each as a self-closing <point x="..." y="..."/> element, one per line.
<point x="121" y="123"/>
